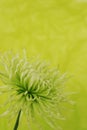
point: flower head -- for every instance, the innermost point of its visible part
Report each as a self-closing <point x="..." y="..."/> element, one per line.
<point x="33" y="87"/>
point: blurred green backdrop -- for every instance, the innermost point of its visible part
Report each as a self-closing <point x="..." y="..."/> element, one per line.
<point x="57" y="31"/>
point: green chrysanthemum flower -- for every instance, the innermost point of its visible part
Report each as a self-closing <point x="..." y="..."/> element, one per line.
<point x="33" y="88"/>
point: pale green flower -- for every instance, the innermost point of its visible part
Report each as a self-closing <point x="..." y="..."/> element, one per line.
<point x="33" y="88"/>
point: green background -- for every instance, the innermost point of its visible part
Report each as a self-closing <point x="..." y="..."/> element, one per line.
<point x="57" y="31"/>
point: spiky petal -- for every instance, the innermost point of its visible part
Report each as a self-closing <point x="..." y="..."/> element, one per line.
<point x="33" y="87"/>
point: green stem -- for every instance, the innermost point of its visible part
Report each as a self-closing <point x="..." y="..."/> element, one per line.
<point x="17" y="121"/>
